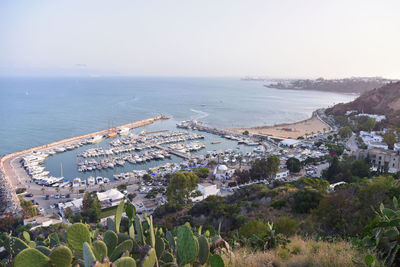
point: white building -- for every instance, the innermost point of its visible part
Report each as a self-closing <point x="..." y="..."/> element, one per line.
<point x="222" y="172"/>
<point x="110" y="197"/>
<point x="206" y="190"/>
<point x="289" y="142"/>
<point x="282" y="174"/>
<point x="370" y="137"/>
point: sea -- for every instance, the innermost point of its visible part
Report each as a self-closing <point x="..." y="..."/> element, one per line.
<point x="37" y="111"/>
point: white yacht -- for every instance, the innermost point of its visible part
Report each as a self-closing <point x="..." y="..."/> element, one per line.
<point x="91" y="181"/>
<point x="76" y="182"/>
<point x="96" y="139"/>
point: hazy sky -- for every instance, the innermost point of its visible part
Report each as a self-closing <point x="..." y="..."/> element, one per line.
<point x="276" y="38"/>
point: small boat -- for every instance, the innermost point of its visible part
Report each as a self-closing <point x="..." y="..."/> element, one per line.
<point x="106" y="180"/>
<point x="216" y="142"/>
<point x="99" y="180"/>
<point x="76" y="182"/>
<point x="91" y="181"/>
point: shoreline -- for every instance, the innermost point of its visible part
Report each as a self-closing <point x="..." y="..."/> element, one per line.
<point x="309" y="126"/>
<point x="9" y="172"/>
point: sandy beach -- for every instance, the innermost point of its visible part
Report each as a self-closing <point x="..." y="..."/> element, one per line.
<point x="289" y="130"/>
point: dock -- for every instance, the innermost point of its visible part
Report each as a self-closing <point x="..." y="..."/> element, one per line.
<point x="171" y="151"/>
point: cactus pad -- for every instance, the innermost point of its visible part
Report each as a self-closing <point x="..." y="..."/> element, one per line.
<point x="77" y="234"/>
<point x="187" y="246"/>
<point x="125" y="262"/>
<point x="61" y="257"/>
<point x="31" y="257"/>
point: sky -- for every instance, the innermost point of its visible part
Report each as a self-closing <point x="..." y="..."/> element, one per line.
<point x="207" y="38"/>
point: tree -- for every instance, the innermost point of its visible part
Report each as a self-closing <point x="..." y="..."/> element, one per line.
<point x="43" y="190"/>
<point x="345" y="132"/>
<point x="147" y="178"/>
<point x="181" y="186"/>
<point x="27" y="208"/>
<point x="242" y="177"/>
<point x="333" y="170"/>
<point x="91" y="208"/>
<point x="246" y="132"/>
<point x="293" y="165"/>
<point x="202" y="172"/>
<point x="305" y="200"/>
<point x="390" y="139"/>
<point x="240" y="158"/>
<point x="273" y="165"/>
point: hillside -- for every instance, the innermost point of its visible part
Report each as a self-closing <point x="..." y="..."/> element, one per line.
<point x="347" y="85"/>
<point x="384" y="100"/>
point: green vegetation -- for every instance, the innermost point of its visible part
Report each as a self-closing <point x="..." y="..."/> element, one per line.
<point x="27" y="207"/>
<point x="202" y="172"/>
<point x="293" y="165"/>
<point x="345" y="132"/>
<point x="140" y="244"/>
<point x="180" y="188"/>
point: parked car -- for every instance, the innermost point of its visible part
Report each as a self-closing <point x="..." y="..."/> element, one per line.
<point x="62" y="196"/>
<point x="47" y="197"/>
<point x="29" y="195"/>
<point x="68" y="196"/>
<point x="57" y="196"/>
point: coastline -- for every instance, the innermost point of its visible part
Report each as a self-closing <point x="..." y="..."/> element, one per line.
<point x="309" y="126"/>
<point x="10" y="173"/>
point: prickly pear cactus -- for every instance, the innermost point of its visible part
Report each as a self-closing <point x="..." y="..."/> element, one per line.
<point x="111" y="240"/>
<point x="159" y="247"/>
<point x="125" y="262"/>
<point x="31" y="257"/>
<point x="170" y="239"/>
<point x="44" y="250"/>
<point x="127" y="245"/>
<point x="99" y="249"/>
<point x="77" y="234"/>
<point x="118" y="215"/>
<point x="167" y="257"/>
<point x="61" y="257"/>
<point x="150" y="259"/>
<point x="216" y="261"/>
<point x="27" y="236"/>
<point x="110" y="224"/>
<point x="54" y="240"/>
<point x="139" y="230"/>
<point x="14" y="245"/>
<point x="204" y="249"/>
<point x="88" y="255"/>
<point x="187" y="245"/>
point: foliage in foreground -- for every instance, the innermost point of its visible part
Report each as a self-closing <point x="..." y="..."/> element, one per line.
<point x="142" y="245"/>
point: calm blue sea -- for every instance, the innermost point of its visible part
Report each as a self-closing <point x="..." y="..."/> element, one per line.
<point x="36" y="111"/>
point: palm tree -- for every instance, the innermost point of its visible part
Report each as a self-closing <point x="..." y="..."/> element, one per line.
<point x="101" y="187"/>
<point x="57" y="189"/>
<point x="240" y="158"/>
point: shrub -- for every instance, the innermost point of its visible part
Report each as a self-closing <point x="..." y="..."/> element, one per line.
<point x="253" y="227"/>
<point x="278" y="204"/>
<point x="286" y="226"/>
